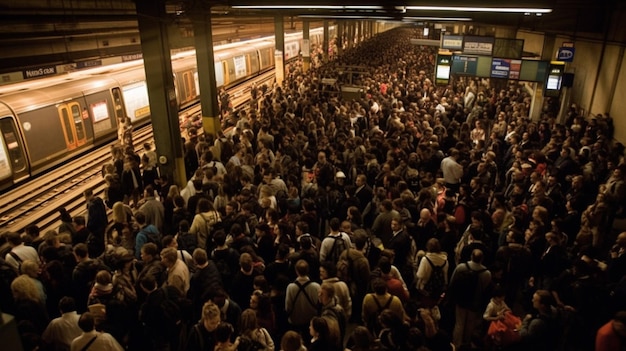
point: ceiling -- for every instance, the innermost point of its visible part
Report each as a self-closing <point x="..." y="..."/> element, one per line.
<point x="58" y="31"/>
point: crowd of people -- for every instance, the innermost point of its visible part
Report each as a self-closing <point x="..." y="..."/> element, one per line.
<point x="414" y="217"/>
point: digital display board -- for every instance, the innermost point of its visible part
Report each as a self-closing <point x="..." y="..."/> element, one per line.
<point x="554" y="79"/>
<point x="506" y="68"/>
<point x="508" y="48"/>
<point x="442" y="72"/>
<point x="464" y="65"/>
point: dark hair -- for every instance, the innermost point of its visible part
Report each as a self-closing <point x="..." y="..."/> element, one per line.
<point x="183" y="226"/>
<point x="67" y="304"/>
<point x="335" y="224"/>
<point x="140" y="217"/>
<point x="86" y="322"/>
<point x="330" y="268"/>
<point x="223" y="332"/>
<point x="148" y="282"/>
<point x="80" y="250"/>
<point x="167" y="240"/>
<point x="302" y="267"/>
<point x="379" y="286"/>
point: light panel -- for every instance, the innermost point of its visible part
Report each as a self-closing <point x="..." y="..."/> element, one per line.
<point x="479" y="9"/>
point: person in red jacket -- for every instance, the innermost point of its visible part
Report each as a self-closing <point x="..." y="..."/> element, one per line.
<point x="612" y="335"/>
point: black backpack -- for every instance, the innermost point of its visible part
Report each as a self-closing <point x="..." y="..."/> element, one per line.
<point x="464" y="286"/>
<point x="372" y="323"/>
<point x="248" y="344"/>
<point x="339" y="246"/>
<point x="436" y="284"/>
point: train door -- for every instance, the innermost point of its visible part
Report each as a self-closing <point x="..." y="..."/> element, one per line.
<point x="12" y="158"/>
<point x="72" y="123"/>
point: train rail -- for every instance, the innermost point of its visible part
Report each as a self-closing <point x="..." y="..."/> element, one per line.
<point x="37" y="202"/>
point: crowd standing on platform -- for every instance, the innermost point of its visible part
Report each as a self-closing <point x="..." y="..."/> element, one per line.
<point x="413" y="217"/>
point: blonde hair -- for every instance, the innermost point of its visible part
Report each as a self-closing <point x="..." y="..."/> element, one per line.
<point x="210" y="311"/>
<point x="30" y="268"/>
<point x="119" y="212"/>
<point x="23" y="288"/>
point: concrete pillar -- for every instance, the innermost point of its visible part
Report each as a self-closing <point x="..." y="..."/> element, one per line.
<point x="547" y="52"/>
<point x="152" y="21"/>
<point x="279" y="53"/>
<point x="306" y="46"/>
<point x="340" y="34"/>
<point x="203" y="38"/>
<point x="350" y="34"/>
<point x="326" y="42"/>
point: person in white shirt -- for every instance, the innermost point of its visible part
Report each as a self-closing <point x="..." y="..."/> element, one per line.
<point x="97" y="341"/>
<point x="452" y="170"/>
<point x="62" y="330"/>
<point x="19" y="252"/>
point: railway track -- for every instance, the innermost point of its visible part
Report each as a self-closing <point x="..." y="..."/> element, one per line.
<point x="37" y="202"/>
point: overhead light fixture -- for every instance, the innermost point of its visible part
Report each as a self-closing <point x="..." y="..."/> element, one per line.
<point x="311" y="7"/>
<point x="478" y="9"/>
<point x="347" y="17"/>
<point x="455" y="19"/>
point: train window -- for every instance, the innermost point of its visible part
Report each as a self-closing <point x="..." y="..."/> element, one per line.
<point x="118" y="103"/>
<point x="79" y="125"/>
<point x="67" y="127"/>
<point x="12" y="146"/>
<point x="190" y="85"/>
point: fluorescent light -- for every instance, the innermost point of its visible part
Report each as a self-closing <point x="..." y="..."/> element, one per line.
<point x="347" y="17"/>
<point x="311" y="7"/>
<point x="438" y="18"/>
<point x="478" y="9"/>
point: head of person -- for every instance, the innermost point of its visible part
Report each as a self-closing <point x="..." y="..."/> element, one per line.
<point x="542" y="300"/>
<point x="248" y="321"/>
<point x="291" y="341"/>
<point x="318" y="328"/>
<point x="87" y="322"/>
<point x="328" y="270"/>
<point x="169" y="256"/>
<point x="149" y="252"/>
<point x="379" y="286"/>
<point x="302" y="268"/>
<point x="326" y="293"/>
<point x="211" y="316"/>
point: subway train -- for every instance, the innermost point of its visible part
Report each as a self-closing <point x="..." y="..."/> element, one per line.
<point x="47" y="121"/>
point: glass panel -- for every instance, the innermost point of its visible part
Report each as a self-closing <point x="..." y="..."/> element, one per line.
<point x="78" y="122"/>
<point x="117" y="102"/>
<point x="67" y="126"/>
<point x="13" y="148"/>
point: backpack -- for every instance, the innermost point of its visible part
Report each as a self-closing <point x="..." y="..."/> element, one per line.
<point x="372" y="321"/>
<point x="345" y="266"/>
<point x="464" y="286"/>
<point x="187" y="241"/>
<point x="152" y="236"/>
<point x="339" y="246"/>
<point x="223" y="267"/>
<point x="246" y="343"/>
<point x="436" y="284"/>
<point x="301" y="289"/>
<point x="172" y="313"/>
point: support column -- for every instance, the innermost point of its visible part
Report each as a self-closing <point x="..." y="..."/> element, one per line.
<point x="326" y="42"/>
<point x="340" y="30"/>
<point x="306" y="47"/>
<point x="536" y="106"/>
<point x="152" y="21"/>
<point x="203" y="40"/>
<point x="350" y="28"/>
<point x="279" y="52"/>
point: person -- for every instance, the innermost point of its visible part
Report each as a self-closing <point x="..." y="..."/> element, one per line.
<point x="376" y="302"/>
<point x="335" y="243"/>
<point x="97" y="221"/>
<point x="202" y="335"/>
<point x="321" y="339"/>
<point x="153" y="208"/>
<point x="152" y="267"/>
<point x="19" y="252"/>
<point x="302" y="298"/>
<point x="223" y="334"/>
<point x="61" y="331"/>
<point x="612" y="335"/>
<point x="160" y="327"/>
<point x="250" y="328"/>
<point x="91" y="339"/>
<point x="328" y="274"/>
<point x="452" y="170"/>
<point x="204" y="281"/>
<point x="177" y="272"/>
<point x="332" y="311"/>
<point x="432" y="271"/>
<point x="292" y="341"/>
<point x="468" y="286"/>
<point x="537" y="331"/>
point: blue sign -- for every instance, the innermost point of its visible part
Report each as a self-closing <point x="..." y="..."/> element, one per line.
<point x="565" y="54"/>
<point x="500" y="68"/>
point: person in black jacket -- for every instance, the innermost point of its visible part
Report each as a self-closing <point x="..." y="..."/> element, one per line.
<point x="97" y="221"/>
<point x="204" y="282"/>
<point x="202" y="335"/>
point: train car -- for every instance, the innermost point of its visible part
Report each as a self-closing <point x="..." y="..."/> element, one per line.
<point x="48" y="121"/>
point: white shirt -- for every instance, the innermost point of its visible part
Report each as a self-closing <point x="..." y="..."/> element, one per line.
<point x="104" y="342"/>
<point x="24" y="253"/>
<point x="62" y="330"/>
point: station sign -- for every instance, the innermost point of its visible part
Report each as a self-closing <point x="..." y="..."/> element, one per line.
<point x="39" y="72"/>
<point x="565" y="54"/>
<point x="452" y="42"/>
<point x="476" y="45"/>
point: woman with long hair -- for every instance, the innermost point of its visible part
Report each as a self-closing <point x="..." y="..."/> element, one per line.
<point x="29" y="307"/>
<point x="250" y="328"/>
